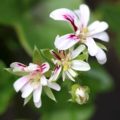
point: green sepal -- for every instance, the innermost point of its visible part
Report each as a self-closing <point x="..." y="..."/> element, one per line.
<point x="83" y="56"/>
<point x="49" y="93"/>
<point x="18" y="73"/>
<point x="37" y="57"/>
<point x="101" y="46"/>
<point x="47" y="55"/>
<point x="72" y="92"/>
<point x="27" y="99"/>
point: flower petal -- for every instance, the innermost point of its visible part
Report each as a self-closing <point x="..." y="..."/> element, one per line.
<point x="65" y="15"/>
<point x="43" y="81"/>
<point x="102" y="36"/>
<point x="69" y="76"/>
<point x="17" y="67"/>
<point x="84" y="14"/>
<point x="101" y="56"/>
<point x="20" y="83"/>
<point x="92" y="47"/>
<point x="37" y="94"/>
<point x="80" y="65"/>
<point x="97" y="27"/>
<point x="27" y="90"/>
<point x="55" y="74"/>
<point x="63" y="76"/>
<point x="32" y="67"/>
<point x="54" y="86"/>
<point x="38" y="104"/>
<point x="45" y="67"/>
<point x="77" y="51"/>
<point x="66" y="41"/>
<point x="72" y="72"/>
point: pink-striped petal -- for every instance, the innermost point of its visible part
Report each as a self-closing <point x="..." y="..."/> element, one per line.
<point x="65" y="42"/>
<point x="17" y="67"/>
<point x="32" y="67"/>
<point x="20" y="83"/>
<point x="45" y="67"/>
<point x="55" y="73"/>
<point x="65" y="15"/>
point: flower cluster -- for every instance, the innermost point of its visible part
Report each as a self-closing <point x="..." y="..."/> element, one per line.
<point x="70" y="56"/>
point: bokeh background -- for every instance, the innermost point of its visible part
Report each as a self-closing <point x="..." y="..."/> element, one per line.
<point x="25" y="23"/>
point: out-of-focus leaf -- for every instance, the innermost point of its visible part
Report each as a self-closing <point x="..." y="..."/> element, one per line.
<point x="110" y="13"/>
<point x="42" y="33"/>
<point x="6" y="88"/>
<point x="70" y="114"/>
<point x="12" y="11"/>
<point x="97" y="79"/>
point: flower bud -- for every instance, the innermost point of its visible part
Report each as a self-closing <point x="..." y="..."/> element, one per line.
<point x="80" y="94"/>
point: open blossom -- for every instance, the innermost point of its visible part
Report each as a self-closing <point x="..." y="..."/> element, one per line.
<point x="83" y="33"/>
<point x="32" y="81"/>
<point x="67" y="64"/>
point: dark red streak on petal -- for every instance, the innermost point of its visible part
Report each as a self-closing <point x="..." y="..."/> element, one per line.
<point x="71" y="20"/>
<point x="22" y="65"/>
<point x="56" y="55"/>
<point x="73" y="36"/>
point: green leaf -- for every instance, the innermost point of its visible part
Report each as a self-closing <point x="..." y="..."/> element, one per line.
<point x="83" y="113"/>
<point x="97" y="79"/>
<point x="6" y="88"/>
<point x="37" y="57"/>
<point x="49" y="93"/>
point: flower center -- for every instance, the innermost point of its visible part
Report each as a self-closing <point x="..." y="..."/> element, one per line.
<point x="64" y="60"/>
<point x="82" y="34"/>
<point x="35" y="78"/>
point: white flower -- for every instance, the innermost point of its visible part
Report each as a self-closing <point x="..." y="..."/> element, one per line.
<point x="33" y="81"/>
<point x="66" y="62"/>
<point x="83" y="33"/>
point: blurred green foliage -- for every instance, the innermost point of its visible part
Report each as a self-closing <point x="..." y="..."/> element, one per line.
<point x="31" y="22"/>
<point x="6" y="88"/>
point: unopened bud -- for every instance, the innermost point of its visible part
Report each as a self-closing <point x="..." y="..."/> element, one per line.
<point x="80" y="94"/>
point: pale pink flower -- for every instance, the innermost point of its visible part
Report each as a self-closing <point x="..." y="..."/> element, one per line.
<point x="83" y="33"/>
<point x="33" y="81"/>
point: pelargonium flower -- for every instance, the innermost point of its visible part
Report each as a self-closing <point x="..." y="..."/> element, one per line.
<point x="32" y="81"/>
<point x="65" y="61"/>
<point x="83" y="33"/>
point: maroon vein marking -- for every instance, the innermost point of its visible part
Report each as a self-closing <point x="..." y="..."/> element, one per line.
<point x="71" y="20"/>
